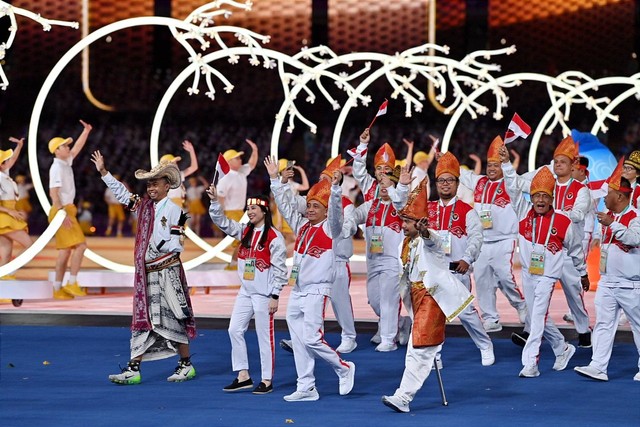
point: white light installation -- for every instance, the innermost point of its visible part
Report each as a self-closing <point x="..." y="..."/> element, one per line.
<point x="306" y="75"/>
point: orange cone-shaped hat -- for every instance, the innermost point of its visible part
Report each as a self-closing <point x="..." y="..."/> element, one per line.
<point x="416" y="206"/>
<point x="448" y="163"/>
<point x="614" y="180"/>
<point x="543" y="182"/>
<point x="332" y="166"/>
<point x="385" y="156"/>
<point x="567" y="147"/>
<point x="320" y="192"/>
<point x="493" y="154"/>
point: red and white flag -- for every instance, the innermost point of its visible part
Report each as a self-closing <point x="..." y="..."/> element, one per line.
<point x="599" y="188"/>
<point x="517" y="129"/>
<point x="381" y="111"/>
<point x="222" y="168"/>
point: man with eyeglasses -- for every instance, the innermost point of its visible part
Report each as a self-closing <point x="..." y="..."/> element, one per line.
<point x="461" y="235"/>
<point x="494" y="267"/>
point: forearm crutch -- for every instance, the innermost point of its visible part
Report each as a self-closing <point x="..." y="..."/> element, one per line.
<point x="444" y="397"/>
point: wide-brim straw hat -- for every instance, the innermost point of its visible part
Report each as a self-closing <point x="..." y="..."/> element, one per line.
<point x="167" y="170"/>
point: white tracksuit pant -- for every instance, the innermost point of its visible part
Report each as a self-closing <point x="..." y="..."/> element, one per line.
<point x="383" y="293"/>
<point x="494" y="270"/>
<point x="570" y="281"/>
<point x="537" y="293"/>
<point x="417" y="367"/>
<point x="609" y="299"/>
<point x="341" y="301"/>
<point x="305" y="319"/>
<point x="470" y="319"/>
<point x="246" y="307"/>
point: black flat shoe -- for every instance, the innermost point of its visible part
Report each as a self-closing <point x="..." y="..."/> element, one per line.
<point x="263" y="388"/>
<point x="239" y="385"/>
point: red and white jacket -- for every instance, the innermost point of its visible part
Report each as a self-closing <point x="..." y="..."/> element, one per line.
<point x="621" y="241"/>
<point x="562" y="233"/>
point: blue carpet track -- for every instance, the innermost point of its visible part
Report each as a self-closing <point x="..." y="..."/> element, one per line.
<point x="57" y="376"/>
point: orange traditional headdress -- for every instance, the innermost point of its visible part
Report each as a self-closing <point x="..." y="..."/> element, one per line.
<point x="320" y="192"/>
<point x="633" y="160"/>
<point x="416" y="206"/>
<point x="567" y="147"/>
<point x="493" y="154"/>
<point x="385" y="156"/>
<point x="543" y="182"/>
<point x="333" y="165"/>
<point x="448" y="163"/>
<point x="615" y="179"/>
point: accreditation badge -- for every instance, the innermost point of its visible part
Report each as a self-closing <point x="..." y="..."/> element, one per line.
<point x="249" y="272"/>
<point x="536" y="265"/>
<point x="293" y="276"/>
<point x="445" y="238"/>
<point x="486" y="219"/>
<point x="603" y="260"/>
<point x="376" y="246"/>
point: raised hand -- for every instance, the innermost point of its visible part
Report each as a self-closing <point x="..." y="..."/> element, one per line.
<point x="188" y="146"/>
<point x="365" y="136"/>
<point x="405" y="175"/>
<point x="212" y="193"/>
<point x="98" y="160"/>
<point x="337" y="178"/>
<point x="20" y="141"/>
<point x="504" y="154"/>
<point x="272" y="166"/>
<point x="87" y="127"/>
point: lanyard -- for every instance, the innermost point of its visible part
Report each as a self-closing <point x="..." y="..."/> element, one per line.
<point x="495" y="192"/>
<point x="564" y="196"/>
<point x="384" y="213"/>
<point x="441" y="220"/>
<point x="252" y="249"/>
<point x="413" y="256"/>
<point x="310" y="240"/>
<point x="533" y="237"/>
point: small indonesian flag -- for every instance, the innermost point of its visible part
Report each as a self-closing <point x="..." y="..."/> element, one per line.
<point x="517" y="129"/>
<point x="222" y="168"/>
<point x="383" y="109"/>
<point x="599" y="188"/>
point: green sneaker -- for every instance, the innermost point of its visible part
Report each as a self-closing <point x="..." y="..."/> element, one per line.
<point x="183" y="372"/>
<point x="127" y="377"/>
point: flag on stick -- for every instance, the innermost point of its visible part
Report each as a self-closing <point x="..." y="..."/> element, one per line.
<point x="353" y="152"/>
<point x="381" y="111"/>
<point x="222" y="168"/>
<point x="517" y="129"/>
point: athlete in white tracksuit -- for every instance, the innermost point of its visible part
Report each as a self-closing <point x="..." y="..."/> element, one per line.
<point x="544" y="236"/>
<point x="340" y="297"/>
<point x="494" y="267"/>
<point x="312" y="276"/>
<point x="383" y="237"/>
<point x="263" y="274"/>
<point x="619" y="285"/>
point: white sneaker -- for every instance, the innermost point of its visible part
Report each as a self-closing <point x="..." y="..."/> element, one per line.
<point x="529" y="372"/>
<point x="488" y="358"/>
<point x="346" y="381"/>
<point x="127" y="377"/>
<point x="376" y="338"/>
<point x="347" y="346"/>
<point x="387" y="347"/>
<point x="396" y="403"/>
<point x="437" y="361"/>
<point x="404" y="330"/>
<point x="491" y="326"/>
<point x="522" y="315"/>
<point x="303" y="396"/>
<point x="591" y="372"/>
<point x="182" y="373"/>
<point x="563" y="360"/>
<point x="636" y="377"/>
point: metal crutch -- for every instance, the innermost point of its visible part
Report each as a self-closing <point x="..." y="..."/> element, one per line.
<point x="444" y="397"/>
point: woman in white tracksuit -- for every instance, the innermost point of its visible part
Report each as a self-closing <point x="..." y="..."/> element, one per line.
<point x="262" y="271"/>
